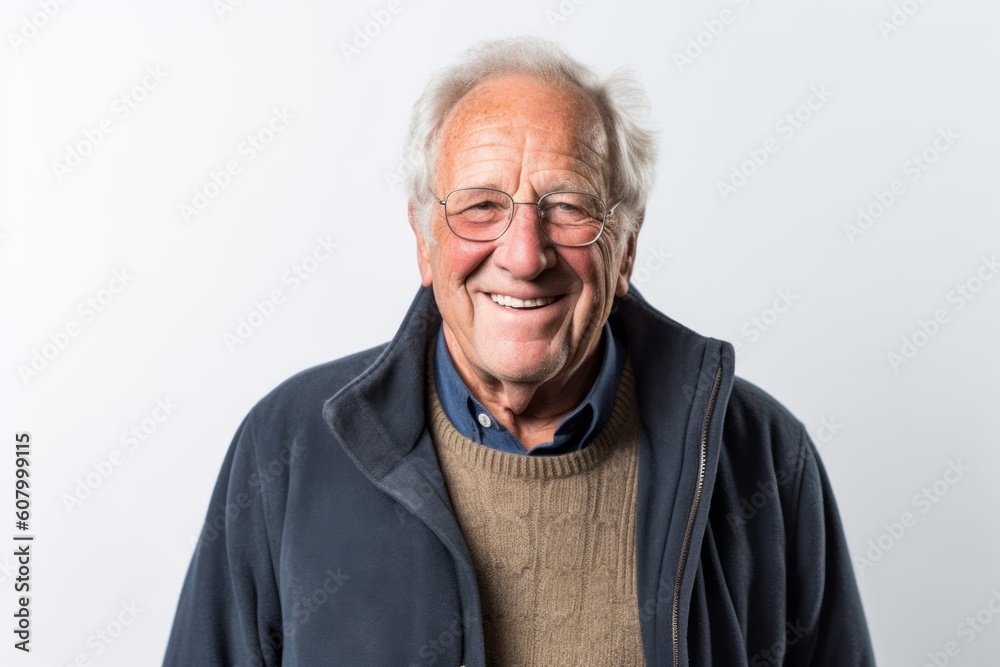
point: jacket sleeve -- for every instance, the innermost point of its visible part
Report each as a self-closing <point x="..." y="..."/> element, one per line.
<point x="826" y="624"/>
<point x="229" y="613"/>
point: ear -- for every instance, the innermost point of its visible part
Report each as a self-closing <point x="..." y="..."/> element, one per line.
<point x="627" y="264"/>
<point x="423" y="247"/>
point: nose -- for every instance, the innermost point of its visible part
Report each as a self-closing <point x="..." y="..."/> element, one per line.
<point x="523" y="249"/>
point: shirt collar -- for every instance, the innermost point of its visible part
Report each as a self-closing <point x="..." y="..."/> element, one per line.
<point x="475" y="422"/>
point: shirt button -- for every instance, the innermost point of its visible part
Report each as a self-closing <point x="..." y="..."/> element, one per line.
<point x="484" y="419"/>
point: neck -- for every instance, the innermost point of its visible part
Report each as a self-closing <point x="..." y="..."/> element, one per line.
<point x="531" y="411"/>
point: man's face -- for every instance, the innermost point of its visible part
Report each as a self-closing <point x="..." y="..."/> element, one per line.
<point x="526" y="137"/>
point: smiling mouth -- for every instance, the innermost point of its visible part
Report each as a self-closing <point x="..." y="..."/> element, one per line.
<point x="523" y="304"/>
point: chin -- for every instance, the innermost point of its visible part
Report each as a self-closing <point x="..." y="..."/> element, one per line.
<point x="514" y="362"/>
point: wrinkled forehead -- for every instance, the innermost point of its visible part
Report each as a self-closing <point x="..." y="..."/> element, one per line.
<point x="505" y="107"/>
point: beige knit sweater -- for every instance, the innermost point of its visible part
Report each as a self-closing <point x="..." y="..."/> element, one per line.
<point x="552" y="539"/>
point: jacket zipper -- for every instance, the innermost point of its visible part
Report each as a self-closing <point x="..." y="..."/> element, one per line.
<point x="686" y="545"/>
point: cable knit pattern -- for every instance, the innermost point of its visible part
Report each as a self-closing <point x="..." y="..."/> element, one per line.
<point x="552" y="540"/>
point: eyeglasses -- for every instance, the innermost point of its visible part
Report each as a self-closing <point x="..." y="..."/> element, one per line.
<point x="484" y="214"/>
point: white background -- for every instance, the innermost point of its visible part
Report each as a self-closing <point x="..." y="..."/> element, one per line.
<point x="331" y="173"/>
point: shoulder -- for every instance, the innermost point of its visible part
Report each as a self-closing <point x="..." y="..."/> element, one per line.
<point x="295" y="406"/>
<point x="764" y="445"/>
<point x="755" y="416"/>
<point x="753" y="411"/>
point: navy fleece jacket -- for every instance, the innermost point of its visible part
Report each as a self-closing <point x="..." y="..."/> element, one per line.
<point x="330" y="539"/>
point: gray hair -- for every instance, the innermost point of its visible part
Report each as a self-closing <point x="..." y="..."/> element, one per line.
<point x="630" y="146"/>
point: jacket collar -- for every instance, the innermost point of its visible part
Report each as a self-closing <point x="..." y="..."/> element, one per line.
<point x="379" y="416"/>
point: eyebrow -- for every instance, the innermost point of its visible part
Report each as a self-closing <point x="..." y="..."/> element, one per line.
<point x="561" y="186"/>
<point x="567" y="185"/>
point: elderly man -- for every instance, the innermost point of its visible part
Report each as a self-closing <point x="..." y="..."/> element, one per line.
<point x="539" y="468"/>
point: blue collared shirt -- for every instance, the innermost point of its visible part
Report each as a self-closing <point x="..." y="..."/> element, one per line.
<point x="573" y="433"/>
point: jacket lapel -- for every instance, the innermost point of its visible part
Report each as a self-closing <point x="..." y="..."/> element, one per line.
<point x="379" y="419"/>
<point x="676" y="374"/>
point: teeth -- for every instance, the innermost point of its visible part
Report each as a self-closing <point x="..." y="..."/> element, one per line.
<point x="511" y="302"/>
